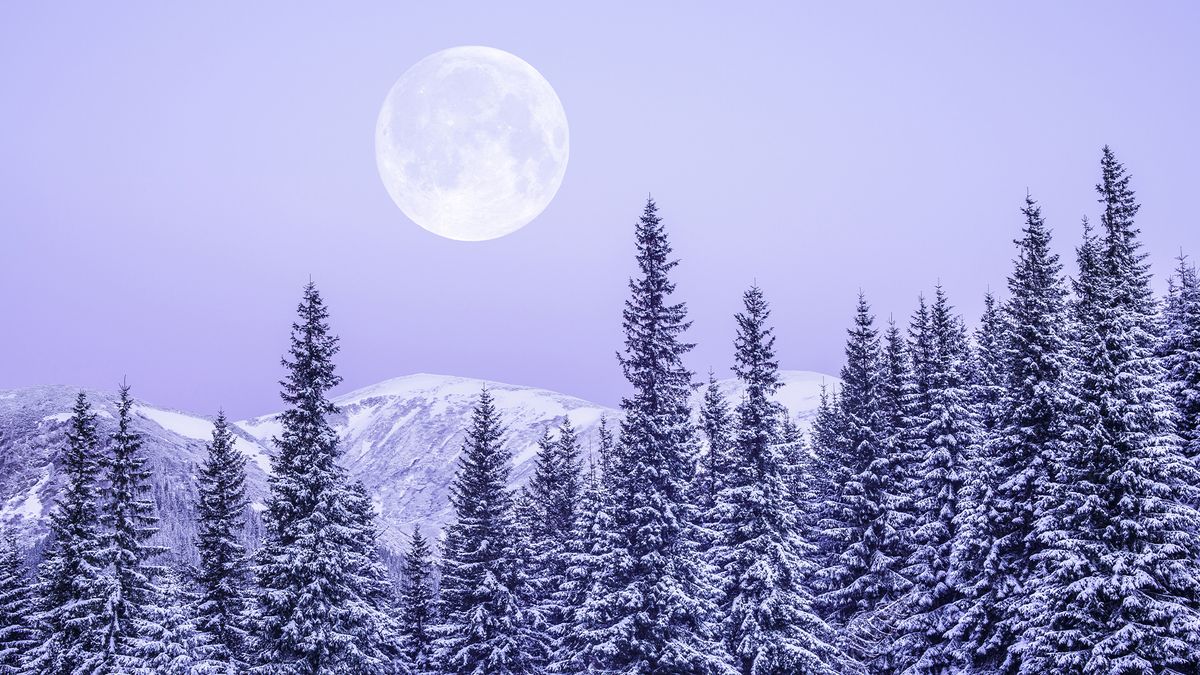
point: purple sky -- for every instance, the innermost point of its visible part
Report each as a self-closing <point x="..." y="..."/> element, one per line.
<point x="172" y="173"/>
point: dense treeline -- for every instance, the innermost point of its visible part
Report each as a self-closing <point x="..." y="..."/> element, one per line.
<point x="1017" y="498"/>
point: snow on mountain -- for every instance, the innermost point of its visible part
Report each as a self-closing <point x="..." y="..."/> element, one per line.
<point x="401" y="437"/>
<point x="33" y="428"/>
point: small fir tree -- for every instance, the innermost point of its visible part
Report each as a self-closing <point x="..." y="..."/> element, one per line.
<point x="417" y="611"/>
<point x="222" y="610"/>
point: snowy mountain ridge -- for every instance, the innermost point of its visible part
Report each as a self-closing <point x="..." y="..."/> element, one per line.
<point x="400" y="437"/>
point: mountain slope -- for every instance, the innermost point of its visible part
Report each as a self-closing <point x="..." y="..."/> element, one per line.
<point x="33" y="427"/>
<point x="400" y="437"/>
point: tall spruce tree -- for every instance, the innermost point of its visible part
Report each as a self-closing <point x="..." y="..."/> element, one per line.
<point x="73" y="585"/>
<point x="862" y="581"/>
<point x="222" y="610"/>
<point x="653" y="610"/>
<point x="417" y="611"/>
<point x="900" y="451"/>
<point x="130" y="518"/>
<point x="969" y="551"/>
<point x="316" y="612"/>
<point x="947" y="433"/>
<point x="1121" y="582"/>
<point x="486" y="624"/>
<point x="1025" y="448"/>
<point x="769" y="627"/>
<point x="18" y="633"/>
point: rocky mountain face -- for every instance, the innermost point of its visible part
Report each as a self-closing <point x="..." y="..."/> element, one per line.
<point x="400" y="437"/>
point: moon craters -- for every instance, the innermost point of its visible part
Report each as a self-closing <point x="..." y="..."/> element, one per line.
<point x="472" y="143"/>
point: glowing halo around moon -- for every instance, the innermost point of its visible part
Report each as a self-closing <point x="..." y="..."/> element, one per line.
<point x="472" y="143"/>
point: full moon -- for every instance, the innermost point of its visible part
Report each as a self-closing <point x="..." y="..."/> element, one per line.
<point x="472" y="143"/>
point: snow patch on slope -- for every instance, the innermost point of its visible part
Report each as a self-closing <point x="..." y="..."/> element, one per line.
<point x="201" y="429"/>
<point x="185" y="425"/>
<point x="30" y="506"/>
<point x="253" y="452"/>
<point x="402" y="437"/>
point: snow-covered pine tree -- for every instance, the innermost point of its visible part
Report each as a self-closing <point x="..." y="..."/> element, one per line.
<point x="861" y="581"/>
<point x="1086" y="300"/>
<point x="534" y="595"/>
<point x="715" y="427"/>
<point x="370" y="609"/>
<point x="486" y="627"/>
<point x="1000" y="537"/>
<point x="171" y="645"/>
<point x="1181" y="356"/>
<point x="129" y="515"/>
<point x="794" y="447"/>
<point x="555" y="490"/>
<point x="770" y="627"/>
<point x="223" y="577"/>
<point x="827" y="424"/>
<point x="314" y="614"/>
<point x="804" y="491"/>
<point x="605" y="449"/>
<point x="948" y="437"/>
<point x="417" y="610"/>
<point x="588" y="554"/>
<point x="566" y="648"/>
<point x="555" y="487"/>
<point x="816" y="477"/>
<point x="969" y="553"/>
<point x="896" y="398"/>
<point x="1121" y="553"/>
<point x="72" y="585"/>
<point x="653" y="607"/>
<point x="18" y="633"/>
<point x="921" y="358"/>
<point x="713" y="466"/>
<point x="899" y="454"/>
<point x="987" y="365"/>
